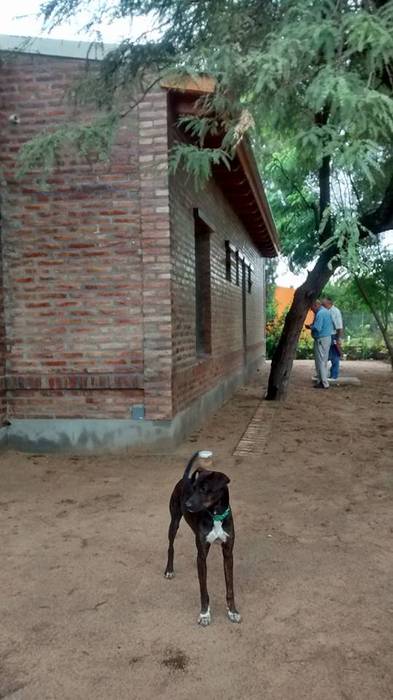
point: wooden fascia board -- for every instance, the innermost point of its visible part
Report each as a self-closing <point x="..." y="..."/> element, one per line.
<point x="203" y="84"/>
<point x="198" y="84"/>
<point x="247" y="160"/>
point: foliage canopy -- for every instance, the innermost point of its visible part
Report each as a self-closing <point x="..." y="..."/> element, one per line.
<point x="310" y="80"/>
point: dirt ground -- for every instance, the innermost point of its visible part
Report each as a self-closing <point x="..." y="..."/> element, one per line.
<point x="85" y="612"/>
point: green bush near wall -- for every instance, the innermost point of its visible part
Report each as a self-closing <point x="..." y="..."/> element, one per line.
<point x="305" y="346"/>
<point x="364" y="349"/>
<point x="355" y="347"/>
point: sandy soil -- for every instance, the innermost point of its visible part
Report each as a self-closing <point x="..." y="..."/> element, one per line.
<point x="85" y="611"/>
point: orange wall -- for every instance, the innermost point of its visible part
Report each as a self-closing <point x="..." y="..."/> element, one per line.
<point x="283" y="297"/>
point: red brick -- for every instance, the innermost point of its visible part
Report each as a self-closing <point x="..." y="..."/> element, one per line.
<point x="98" y="296"/>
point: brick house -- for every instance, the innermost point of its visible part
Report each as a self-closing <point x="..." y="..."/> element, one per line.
<point x="131" y="305"/>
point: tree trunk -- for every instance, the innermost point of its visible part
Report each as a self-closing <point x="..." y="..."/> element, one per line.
<point x="381" y="219"/>
<point x="381" y="325"/>
<point x="285" y="352"/>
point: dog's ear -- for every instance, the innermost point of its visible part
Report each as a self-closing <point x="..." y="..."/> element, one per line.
<point x="199" y="472"/>
<point x="223" y="479"/>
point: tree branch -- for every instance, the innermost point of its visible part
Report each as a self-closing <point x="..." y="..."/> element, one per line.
<point x="140" y="98"/>
<point x="381" y="219"/>
<point x="375" y="313"/>
<point x="310" y="205"/>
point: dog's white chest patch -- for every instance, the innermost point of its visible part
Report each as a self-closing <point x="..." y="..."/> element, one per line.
<point x="217" y="533"/>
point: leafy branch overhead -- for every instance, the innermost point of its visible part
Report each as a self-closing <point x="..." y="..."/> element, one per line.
<point x="90" y="141"/>
<point x="197" y="161"/>
<point x="309" y="80"/>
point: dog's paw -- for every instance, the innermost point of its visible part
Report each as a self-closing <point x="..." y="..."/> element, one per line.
<point x="169" y="574"/>
<point x="234" y="616"/>
<point x="205" y="619"/>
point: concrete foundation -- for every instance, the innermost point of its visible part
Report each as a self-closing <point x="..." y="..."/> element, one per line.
<point x="342" y="381"/>
<point x="81" y="436"/>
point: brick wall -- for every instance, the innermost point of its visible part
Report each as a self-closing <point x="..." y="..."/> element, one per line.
<point x="99" y="267"/>
<point x="193" y="375"/>
<point x="3" y="406"/>
<point x="72" y="260"/>
<point x="156" y="255"/>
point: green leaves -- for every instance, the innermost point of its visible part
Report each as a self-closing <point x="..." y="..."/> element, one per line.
<point x="200" y="127"/>
<point x="370" y="35"/>
<point x="197" y="162"/>
<point x="346" y="237"/>
<point x="315" y="76"/>
<point x="294" y="202"/>
<point x="85" y="140"/>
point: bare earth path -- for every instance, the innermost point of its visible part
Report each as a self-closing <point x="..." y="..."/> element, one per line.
<point x="85" y="612"/>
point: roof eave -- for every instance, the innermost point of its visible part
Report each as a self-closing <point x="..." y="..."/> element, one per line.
<point x="205" y="84"/>
<point x="246" y="157"/>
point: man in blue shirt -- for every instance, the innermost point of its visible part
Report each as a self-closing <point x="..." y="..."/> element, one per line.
<point x="322" y="330"/>
<point x="335" y="351"/>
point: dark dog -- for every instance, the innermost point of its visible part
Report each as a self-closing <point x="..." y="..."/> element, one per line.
<point x="203" y="499"/>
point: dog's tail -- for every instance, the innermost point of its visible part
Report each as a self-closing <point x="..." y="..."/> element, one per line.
<point x="188" y="468"/>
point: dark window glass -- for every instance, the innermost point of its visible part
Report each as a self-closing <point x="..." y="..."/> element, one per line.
<point x="202" y="288"/>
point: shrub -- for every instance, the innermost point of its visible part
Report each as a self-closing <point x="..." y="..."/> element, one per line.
<point x="305" y="348"/>
<point x="364" y="349"/>
<point x="273" y="331"/>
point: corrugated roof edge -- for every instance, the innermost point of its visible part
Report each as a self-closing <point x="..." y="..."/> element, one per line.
<point x="62" y="48"/>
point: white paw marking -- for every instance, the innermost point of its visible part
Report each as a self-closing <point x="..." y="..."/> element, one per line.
<point x="217" y="533"/>
<point x="234" y="616"/>
<point x="205" y="619"/>
<point x="169" y="574"/>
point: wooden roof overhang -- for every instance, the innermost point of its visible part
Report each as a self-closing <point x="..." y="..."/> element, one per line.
<point x="241" y="184"/>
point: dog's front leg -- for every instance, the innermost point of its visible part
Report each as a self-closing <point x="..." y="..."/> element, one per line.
<point x="203" y="550"/>
<point x="227" y="550"/>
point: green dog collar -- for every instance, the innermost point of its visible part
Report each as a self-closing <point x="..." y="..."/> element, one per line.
<point x="218" y="518"/>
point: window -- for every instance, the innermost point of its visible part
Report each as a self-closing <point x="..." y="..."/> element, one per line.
<point x="237" y="268"/>
<point x="228" y="261"/>
<point x="202" y="286"/>
<point x="233" y="255"/>
<point x="249" y="280"/>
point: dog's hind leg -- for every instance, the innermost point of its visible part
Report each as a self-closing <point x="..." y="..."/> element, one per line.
<point x="227" y="550"/>
<point x="176" y="514"/>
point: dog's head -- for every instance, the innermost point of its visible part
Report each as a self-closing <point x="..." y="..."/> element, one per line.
<point x="205" y="488"/>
